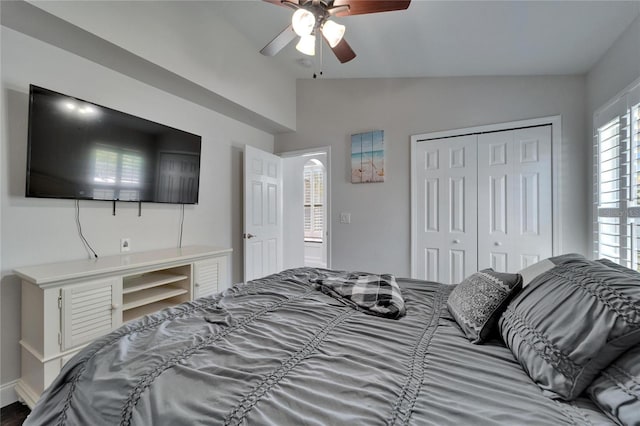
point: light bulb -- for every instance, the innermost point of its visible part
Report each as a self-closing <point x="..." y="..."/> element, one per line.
<point x="333" y="32"/>
<point x="303" y="22"/>
<point x="307" y="45"/>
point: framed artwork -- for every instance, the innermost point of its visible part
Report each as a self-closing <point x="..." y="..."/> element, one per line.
<point x="367" y="157"/>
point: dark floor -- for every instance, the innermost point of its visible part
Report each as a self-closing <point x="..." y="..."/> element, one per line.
<point x="13" y="414"/>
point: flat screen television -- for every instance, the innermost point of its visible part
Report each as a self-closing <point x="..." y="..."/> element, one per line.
<point x="80" y="150"/>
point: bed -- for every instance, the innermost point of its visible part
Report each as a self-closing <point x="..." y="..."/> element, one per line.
<point x="282" y="351"/>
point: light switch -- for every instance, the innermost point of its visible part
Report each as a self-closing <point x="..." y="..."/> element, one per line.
<point x="345" y="217"/>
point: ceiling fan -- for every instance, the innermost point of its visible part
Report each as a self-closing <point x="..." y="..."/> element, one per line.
<point x="312" y="17"/>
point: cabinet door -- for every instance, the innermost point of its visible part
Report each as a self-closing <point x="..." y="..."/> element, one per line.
<point x="90" y="310"/>
<point x="210" y="276"/>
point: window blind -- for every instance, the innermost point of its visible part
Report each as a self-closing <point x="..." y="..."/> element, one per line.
<point x="617" y="179"/>
<point x="313" y="202"/>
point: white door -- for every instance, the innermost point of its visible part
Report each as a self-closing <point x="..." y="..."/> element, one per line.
<point x="447" y="219"/>
<point x="262" y="213"/>
<point x="514" y="182"/>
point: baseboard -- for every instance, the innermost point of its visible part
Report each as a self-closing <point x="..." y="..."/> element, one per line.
<point x="8" y="393"/>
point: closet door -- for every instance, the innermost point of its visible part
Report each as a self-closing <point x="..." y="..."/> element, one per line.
<point x="447" y="206"/>
<point x="514" y="180"/>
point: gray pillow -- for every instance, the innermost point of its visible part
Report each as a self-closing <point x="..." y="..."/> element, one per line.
<point x="571" y="322"/>
<point x="477" y="302"/>
<point x="619" y="268"/>
<point x="531" y="272"/>
<point x="617" y="389"/>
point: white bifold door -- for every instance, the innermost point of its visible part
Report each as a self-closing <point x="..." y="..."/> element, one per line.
<point x="514" y="180"/>
<point x="447" y="209"/>
<point x="483" y="200"/>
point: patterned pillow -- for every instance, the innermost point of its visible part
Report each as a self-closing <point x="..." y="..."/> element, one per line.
<point x="617" y="389"/>
<point x="571" y="322"/>
<point x="477" y="302"/>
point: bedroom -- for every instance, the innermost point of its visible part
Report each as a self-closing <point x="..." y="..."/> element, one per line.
<point x="43" y="50"/>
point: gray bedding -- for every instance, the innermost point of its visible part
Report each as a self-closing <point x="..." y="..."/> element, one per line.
<point x="276" y="351"/>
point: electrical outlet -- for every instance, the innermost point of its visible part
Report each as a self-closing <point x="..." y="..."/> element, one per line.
<point x="125" y="244"/>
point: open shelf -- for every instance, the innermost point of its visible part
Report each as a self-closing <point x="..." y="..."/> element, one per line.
<point x="154" y="279"/>
<point x="143" y="310"/>
<point x="150" y="295"/>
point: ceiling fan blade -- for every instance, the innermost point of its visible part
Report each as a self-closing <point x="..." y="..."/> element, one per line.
<point x="360" y="7"/>
<point x="343" y="51"/>
<point x="280" y="3"/>
<point x="279" y="42"/>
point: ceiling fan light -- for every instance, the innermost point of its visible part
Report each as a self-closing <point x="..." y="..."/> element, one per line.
<point x="303" y="22"/>
<point x="333" y="32"/>
<point x="307" y="45"/>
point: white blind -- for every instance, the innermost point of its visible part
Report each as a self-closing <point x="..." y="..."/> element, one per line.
<point x="617" y="180"/>
<point x="313" y="201"/>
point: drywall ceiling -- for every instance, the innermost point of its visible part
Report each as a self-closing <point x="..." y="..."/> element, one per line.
<point x="451" y="38"/>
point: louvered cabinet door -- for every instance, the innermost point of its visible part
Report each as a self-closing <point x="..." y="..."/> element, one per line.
<point x="210" y="276"/>
<point x="90" y="310"/>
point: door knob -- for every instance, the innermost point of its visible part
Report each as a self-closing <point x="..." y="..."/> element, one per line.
<point x="456" y="241"/>
<point x="248" y="236"/>
<point x="497" y="244"/>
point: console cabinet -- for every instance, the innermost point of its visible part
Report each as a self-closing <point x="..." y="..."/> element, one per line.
<point x="67" y="305"/>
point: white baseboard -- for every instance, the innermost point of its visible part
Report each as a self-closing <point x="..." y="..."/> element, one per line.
<point x="8" y="393"/>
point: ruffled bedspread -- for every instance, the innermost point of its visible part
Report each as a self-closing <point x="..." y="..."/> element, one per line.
<point x="276" y="351"/>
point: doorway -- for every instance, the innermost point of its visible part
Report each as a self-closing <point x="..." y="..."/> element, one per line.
<point x="306" y="208"/>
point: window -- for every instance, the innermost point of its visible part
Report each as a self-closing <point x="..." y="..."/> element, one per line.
<point x="617" y="180"/>
<point x="313" y="201"/>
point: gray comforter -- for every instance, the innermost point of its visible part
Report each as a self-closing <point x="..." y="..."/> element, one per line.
<point x="276" y="351"/>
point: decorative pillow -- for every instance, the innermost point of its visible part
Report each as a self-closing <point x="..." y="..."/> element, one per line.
<point x="617" y="389"/>
<point x="369" y="293"/>
<point x="477" y="302"/>
<point x="571" y="322"/>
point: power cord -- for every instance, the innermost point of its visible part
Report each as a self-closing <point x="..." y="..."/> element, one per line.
<point x="87" y="246"/>
<point x="181" y="227"/>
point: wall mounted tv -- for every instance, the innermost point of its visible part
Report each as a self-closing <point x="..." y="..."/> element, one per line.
<point x="80" y="150"/>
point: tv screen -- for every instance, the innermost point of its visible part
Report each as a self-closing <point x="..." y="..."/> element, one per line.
<point x="81" y="150"/>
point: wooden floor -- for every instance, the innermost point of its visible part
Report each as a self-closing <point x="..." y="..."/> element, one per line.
<point x="13" y="414"/>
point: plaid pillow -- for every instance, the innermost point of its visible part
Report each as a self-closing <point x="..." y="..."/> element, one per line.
<point x="372" y="294"/>
<point x="478" y="301"/>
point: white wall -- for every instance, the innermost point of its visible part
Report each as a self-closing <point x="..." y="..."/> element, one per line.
<point x="43" y="230"/>
<point x="618" y="68"/>
<point x="191" y="40"/>
<point x="378" y="239"/>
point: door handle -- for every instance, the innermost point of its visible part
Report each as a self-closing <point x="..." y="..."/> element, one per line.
<point x="497" y="244"/>
<point x="248" y="236"/>
<point x="456" y="241"/>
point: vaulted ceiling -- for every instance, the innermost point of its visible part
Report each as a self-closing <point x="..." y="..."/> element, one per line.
<point x="450" y="38"/>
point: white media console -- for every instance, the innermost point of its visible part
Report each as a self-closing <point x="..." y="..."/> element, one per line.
<point x="68" y="304"/>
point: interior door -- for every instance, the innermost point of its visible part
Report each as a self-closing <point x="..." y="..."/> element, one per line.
<point x="447" y="206"/>
<point x="514" y="179"/>
<point x="262" y="213"/>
